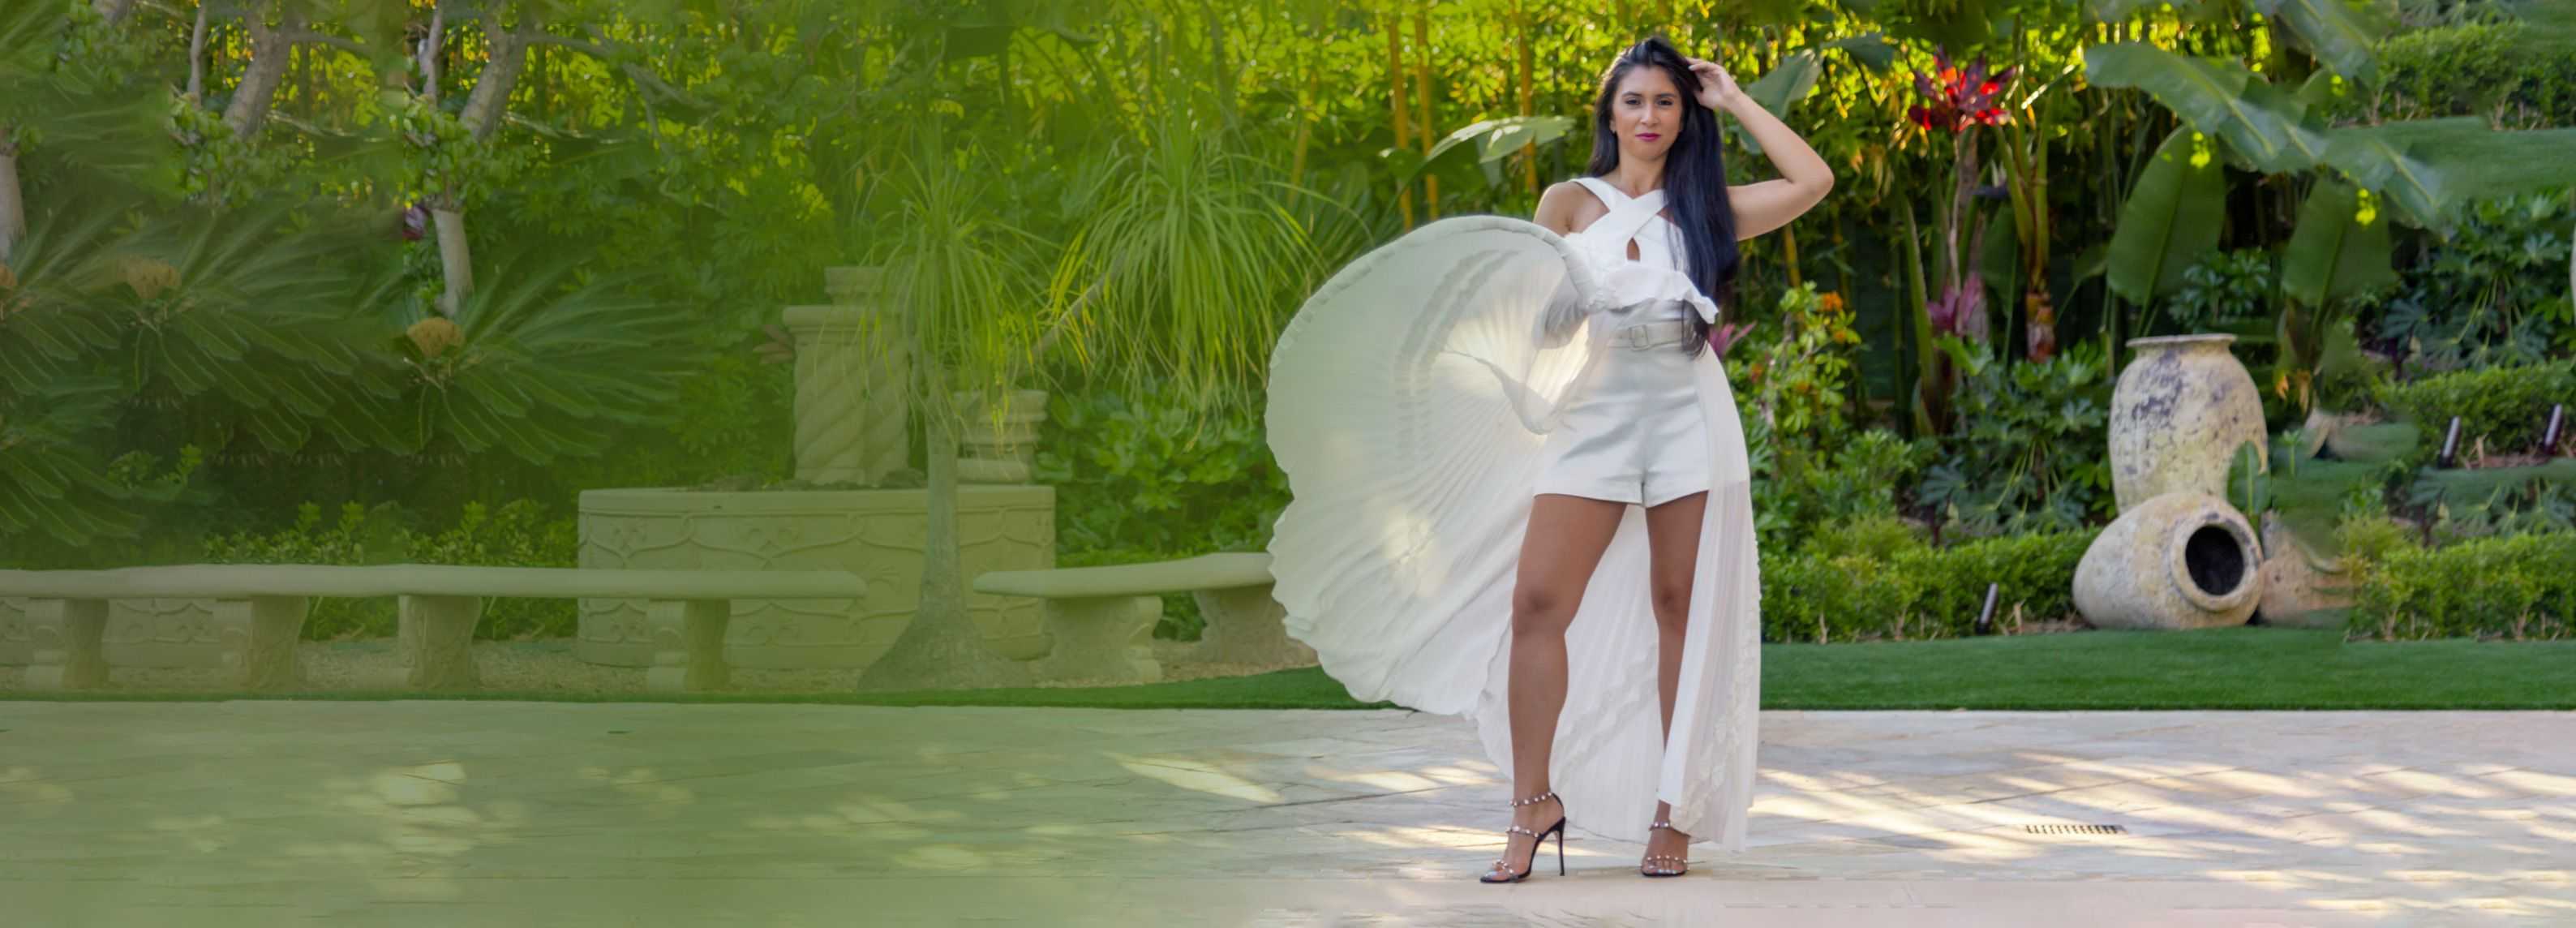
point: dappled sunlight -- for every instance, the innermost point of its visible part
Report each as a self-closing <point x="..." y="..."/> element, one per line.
<point x="942" y="857"/>
<point x="1820" y="782"/>
<point x="414" y="829"/>
<point x="1456" y="776"/>
<point x="2396" y="830"/>
<point x="2567" y="835"/>
<point x="1197" y="776"/>
<point x="2422" y="782"/>
<point x="2266" y="783"/>
<point x="886" y="816"/>
<point x="1392" y="781"/>
<point x="200" y="833"/>
<point x="1407" y="837"/>
<point x="2537" y="783"/>
<point x="24" y="784"/>
<point x="655" y="797"/>
<point x="1292" y="798"/>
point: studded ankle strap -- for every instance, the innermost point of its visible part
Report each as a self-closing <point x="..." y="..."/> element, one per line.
<point x="1542" y="797"/>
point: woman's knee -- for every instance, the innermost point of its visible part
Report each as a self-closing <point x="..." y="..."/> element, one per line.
<point x="1543" y="609"/>
<point x="1672" y="606"/>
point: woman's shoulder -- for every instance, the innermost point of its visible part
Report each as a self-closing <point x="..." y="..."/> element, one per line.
<point x="1567" y="191"/>
<point x="1564" y="205"/>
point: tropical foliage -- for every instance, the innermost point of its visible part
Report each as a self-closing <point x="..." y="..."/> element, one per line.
<point x="264" y="253"/>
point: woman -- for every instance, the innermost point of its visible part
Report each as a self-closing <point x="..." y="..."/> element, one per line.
<point x="1457" y="459"/>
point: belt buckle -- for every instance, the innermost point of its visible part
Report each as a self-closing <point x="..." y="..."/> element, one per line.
<point x="1641" y="336"/>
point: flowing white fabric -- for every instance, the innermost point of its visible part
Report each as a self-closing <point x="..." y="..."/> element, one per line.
<point x="1408" y="403"/>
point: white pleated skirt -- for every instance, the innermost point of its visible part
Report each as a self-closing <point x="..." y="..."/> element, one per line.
<point x="1392" y="411"/>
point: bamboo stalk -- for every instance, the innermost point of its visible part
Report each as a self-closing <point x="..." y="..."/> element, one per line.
<point x="1423" y="88"/>
<point x="1395" y="101"/>
<point x="1529" y="150"/>
<point x="1305" y="124"/>
<point x="1789" y="254"/>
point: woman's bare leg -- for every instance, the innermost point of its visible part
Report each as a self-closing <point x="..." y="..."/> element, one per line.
<point x="1564" y="542"/>
<point x="1672" y="540"/>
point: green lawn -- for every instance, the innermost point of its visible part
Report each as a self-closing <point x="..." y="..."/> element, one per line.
<point x="2237" y="668"/>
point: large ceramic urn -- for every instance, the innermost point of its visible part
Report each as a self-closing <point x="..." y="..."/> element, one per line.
<point x="2181" y="560"/>
<point x="2181" y="409"/>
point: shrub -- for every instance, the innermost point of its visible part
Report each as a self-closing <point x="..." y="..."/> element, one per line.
<point x="1150" y="479"/>
<point x="1861" y="479"/>
<point x="2504" y="71"/>
<point x="1864" y="581"/>
<point x="2223" y="288"/>
<point x="1882" y="537"/>
<point x="2493" y="294"/>
<point x="2504" y="407"/>
<point x="2518" y="587"/>
<point x="2029" y="448"/>
<point x="519" y="534"/>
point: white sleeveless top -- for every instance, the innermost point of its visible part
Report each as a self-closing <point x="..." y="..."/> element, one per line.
<point x="1655" y="286"/>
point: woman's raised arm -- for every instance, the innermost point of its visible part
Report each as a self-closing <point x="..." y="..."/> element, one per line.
<point x="1804" y="176"/>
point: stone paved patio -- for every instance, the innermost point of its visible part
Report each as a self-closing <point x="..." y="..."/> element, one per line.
<point x="454" y="813"/>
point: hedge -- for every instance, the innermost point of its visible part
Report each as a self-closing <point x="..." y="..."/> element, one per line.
<point x="2508" y="407"/>
<point x="1825" y="593"/>
<point x="2518" y="587"/>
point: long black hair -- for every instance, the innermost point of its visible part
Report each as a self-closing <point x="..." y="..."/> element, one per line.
<point x="1694" y="174"/>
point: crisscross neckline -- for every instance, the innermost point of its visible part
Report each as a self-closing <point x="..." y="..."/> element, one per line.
<point x="1596" y="185"/>
<point x="1622" y="224"/>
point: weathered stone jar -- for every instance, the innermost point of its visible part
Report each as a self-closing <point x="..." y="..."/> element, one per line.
<point x="2180" y="411"/>
<point x="2300" y="589"/>
<point x="2178" y="561"/>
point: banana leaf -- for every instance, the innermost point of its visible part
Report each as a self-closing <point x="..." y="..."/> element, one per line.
<point x="2342" y="34"/>
<point x="2340" y="248"/>
<point x="2170" y="219"/>
<point x="1787" y="84"/>
<point x="2273" y="131"/>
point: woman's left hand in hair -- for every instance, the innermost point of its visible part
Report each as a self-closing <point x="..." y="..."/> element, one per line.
<point x="1717" y="88"/>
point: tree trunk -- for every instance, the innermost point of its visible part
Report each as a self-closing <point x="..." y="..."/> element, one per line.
<point x="197" y="57"/>
<point x="455" y="257"/>
<point x="500" y="76"/>
<point x="13" y="210"/>
<point x="941" y="648"/>
<point x="483" y="112"/>
<point x="429" y="45"/>
<point x="268" y="60"/>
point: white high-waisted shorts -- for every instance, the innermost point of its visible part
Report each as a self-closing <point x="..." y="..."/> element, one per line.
<point x="1635" y="436"/>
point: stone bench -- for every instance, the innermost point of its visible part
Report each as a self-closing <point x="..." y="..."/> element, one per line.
<point x="262" y="608"/>
<point x="1102" y="618"/>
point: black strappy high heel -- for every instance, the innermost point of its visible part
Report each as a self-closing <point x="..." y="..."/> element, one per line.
<point x="1665" y="864"/>
<point x="1523" y="873"/>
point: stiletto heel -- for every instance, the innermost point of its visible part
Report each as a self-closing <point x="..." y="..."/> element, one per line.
<point x="1666" y="864"/>
<point x="1538" y="838"/>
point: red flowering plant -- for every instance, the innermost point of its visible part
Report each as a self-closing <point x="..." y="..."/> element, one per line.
<point x="1957" y="100"/>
